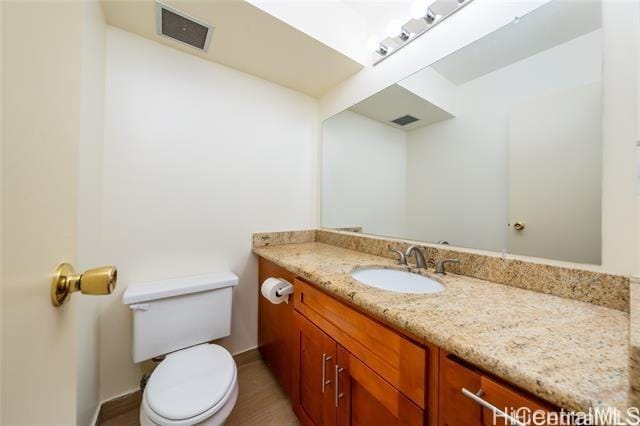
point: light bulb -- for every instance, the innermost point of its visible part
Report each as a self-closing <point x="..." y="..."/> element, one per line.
<point x="373" y="43"/>
<point x="394" y="28"/>
<point x="430" y="17"/>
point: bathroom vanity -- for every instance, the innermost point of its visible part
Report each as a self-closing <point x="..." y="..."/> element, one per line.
<point x="351" y="354"/>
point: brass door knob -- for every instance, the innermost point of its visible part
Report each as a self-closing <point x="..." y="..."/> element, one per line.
<point x="93" y="281"/>
<point x="518" y="225"/>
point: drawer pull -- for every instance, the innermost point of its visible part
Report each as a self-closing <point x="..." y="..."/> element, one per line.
<point x="325" y="382"/>
<point x="496" y="411"/>
<point x="338" y="394"/>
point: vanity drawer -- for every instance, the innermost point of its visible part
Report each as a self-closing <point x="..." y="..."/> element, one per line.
<point x="468" y="396"/>
<point x="394" y="357"/>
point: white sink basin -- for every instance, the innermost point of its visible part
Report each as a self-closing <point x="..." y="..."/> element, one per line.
<point x="397" y="281"/>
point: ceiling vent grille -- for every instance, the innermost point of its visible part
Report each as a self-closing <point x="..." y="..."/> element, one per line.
<point x="405" y="119"/>
<point x="182" y="27"/>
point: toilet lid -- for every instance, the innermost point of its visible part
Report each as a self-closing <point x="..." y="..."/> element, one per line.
<point x="191" y="381"/>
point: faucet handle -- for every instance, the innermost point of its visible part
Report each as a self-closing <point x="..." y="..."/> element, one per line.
<point x="441" y="263"/>
<point x="402" y="258"/>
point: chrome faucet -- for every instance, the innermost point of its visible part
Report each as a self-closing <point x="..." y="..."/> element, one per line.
<point x="402" y="259"/>
<point x="440" y="265"/>
<point x="417" y="253"/>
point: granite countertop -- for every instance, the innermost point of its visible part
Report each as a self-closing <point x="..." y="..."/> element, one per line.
<point x="570" y="353"/>
<point x="634" y="344"/>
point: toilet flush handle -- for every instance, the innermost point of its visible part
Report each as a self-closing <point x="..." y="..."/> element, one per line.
<point x="140" y="307"/>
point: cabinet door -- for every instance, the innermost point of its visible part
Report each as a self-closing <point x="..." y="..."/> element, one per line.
<point x="396" y="359"/>
<point x="274" y="327"/>
<point x="364" y="398"/>
<point x="313" y="381"/>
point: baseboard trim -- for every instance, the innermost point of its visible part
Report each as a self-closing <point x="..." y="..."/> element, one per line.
<point x="247" y="356"/>
<point x="131" y="400"/>
<point x="96" y="415"/>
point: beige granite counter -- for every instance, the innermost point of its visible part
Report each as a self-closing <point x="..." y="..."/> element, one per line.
<point x="571" y="353"/>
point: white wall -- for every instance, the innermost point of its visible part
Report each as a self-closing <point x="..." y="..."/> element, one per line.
<point x="432" y="86"/>
<point x="457" y="169"/>
<point x="364" y="175"/>
<point x="637" y="270"/>
<point x="1" y="198"/>
<point x="197" y="157"/>
<point x="90" y="156"/>
<point x="621" y="48"/>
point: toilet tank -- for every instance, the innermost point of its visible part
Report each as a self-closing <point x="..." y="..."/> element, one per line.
<point x="177" y="313"/>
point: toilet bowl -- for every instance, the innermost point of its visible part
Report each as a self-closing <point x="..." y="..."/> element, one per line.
<point x="193" y="386"/>
<point x="197" y="382"/>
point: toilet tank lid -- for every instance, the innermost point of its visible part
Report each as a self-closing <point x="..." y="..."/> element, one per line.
<point x="145" y="292"/>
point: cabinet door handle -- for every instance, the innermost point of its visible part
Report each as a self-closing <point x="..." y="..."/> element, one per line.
<point x="325" y="382"/>
<point x="338" y="394"/>
<point x="510" y="420"/>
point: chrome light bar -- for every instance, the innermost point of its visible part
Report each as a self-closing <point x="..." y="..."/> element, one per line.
<point x="437" y="12"/>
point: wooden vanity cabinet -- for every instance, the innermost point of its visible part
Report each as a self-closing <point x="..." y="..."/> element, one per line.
<point x="342" y="367"/>
<point x="333" y="387"/>
<point x="275" y="327"/>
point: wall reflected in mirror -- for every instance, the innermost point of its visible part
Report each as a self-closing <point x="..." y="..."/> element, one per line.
<point x="498" y="146"/>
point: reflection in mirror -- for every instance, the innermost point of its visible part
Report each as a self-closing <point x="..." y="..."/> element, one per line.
<point x="496" y="147"/>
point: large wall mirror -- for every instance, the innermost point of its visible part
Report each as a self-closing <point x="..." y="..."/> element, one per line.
<point x="497" y="146"/>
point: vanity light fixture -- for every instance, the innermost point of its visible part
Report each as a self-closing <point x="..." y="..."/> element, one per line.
<point x="382" y="50"/>
<point x="374" y="46"/>
<point x="425" y="14"/>
<point x="430" y="17"/>
<point x="404" y="34"/>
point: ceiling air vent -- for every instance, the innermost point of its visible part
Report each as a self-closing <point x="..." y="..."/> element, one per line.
<point x="182" y="27"/>
<point x="405" y="119"/>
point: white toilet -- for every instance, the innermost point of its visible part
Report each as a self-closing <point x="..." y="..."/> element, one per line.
<point x="197" y="381"/>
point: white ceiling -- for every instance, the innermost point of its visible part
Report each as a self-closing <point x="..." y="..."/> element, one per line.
<point x="550" y="25"/>
<point x="247" y="39"/>
<point x="396" y="101"/>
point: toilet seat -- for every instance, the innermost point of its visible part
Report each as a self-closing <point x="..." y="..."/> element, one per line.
<point x="190" y="386"/>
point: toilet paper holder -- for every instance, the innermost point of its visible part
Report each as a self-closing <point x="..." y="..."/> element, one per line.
<point x="285" y="291"/>
<point x="276" y="290"/>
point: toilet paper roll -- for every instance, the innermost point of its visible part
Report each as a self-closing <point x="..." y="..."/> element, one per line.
<point x="276" y="290"/>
